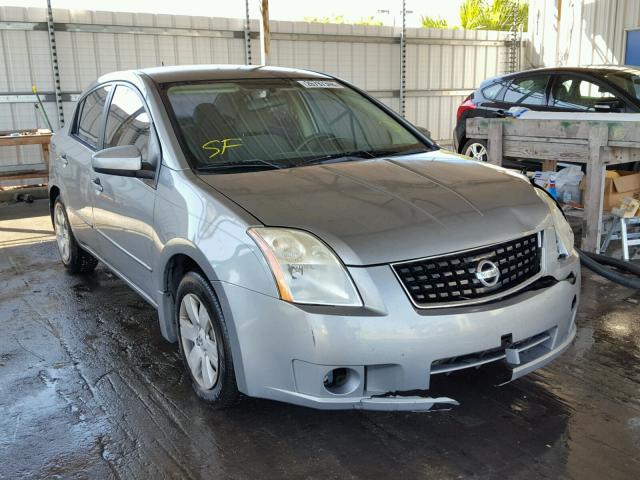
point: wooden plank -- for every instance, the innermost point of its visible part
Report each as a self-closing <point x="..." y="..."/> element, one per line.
<point x="625" y="144"/>
<point x="562" y="141"/>
<point x="546" y="151"/>
<point x="525" y="128"/>
<point x="494" y="145"/>
<point x="617" y="155"/>
<point x="592" y="220"/>
<point x="628" y="131"/>
<point x="22" y="175"/>
<point x="624" y="132"/>
<point x="25" y="168"/>
<point x="38" y="139"/>
<point x="20" y="172"/>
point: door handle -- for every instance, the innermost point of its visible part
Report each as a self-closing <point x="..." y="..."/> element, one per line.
<point x="97" y="184"/>
<point x="63" y="157"/>
<point x="500" y="113"/>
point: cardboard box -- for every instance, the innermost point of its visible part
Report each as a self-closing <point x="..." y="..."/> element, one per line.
<point x="617" y="185"/>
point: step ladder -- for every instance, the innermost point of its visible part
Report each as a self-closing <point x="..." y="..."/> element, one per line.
<point x="618" y="229"/>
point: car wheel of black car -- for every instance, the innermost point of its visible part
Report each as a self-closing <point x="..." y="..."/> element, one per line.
<point x="204" y="342"/>
<point x="476" y="149"/>
<point x="74" y="257"/>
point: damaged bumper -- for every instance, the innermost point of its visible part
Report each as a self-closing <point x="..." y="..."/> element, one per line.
<point x="377" y="357"/>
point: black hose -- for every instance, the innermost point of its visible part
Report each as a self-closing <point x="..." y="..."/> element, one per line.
<point x="615" y="262"/>
<point x="596" y="264"/>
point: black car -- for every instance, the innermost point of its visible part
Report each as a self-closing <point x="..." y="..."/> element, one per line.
<point x="568" y="89"/>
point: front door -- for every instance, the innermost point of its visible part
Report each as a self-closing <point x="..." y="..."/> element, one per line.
<point x="123" y="206"/>
<point x="74" y="154"/>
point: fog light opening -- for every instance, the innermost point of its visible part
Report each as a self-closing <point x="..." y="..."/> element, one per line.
<point x="341" y="381"/>
<point x="573" y="302"/>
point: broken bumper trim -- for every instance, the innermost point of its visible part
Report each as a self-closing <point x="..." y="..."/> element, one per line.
<point x="393" y="403"/>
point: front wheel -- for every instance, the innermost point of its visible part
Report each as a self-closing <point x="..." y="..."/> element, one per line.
<point x="74" y="257"/>
<point x="476" y="149"/>
<point x="204" y="342"/>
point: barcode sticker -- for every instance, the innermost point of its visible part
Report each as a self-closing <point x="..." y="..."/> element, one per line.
<point x="319" y="84"/>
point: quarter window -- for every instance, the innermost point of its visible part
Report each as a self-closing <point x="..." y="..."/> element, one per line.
<point x="492" y="91"/>
<point x="128" y="122"/>
<point x="527" y="91"/>
<point x="580" y="94"/>
<point x="90" y="116"/>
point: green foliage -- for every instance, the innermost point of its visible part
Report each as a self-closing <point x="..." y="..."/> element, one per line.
<point x="434" y="22"/>
<point x="371" y="21"/>
<point x="486" y="15"/>
<point x="339" y="20"/>
<point x="497" y="15"/>
<point x="472" y="14"/>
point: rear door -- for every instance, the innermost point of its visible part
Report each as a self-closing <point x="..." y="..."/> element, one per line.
<point x="75" y="157"/>
<point x="123" y="206"/>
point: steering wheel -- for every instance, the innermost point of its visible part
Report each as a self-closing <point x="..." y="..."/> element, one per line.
<point x="316" y="137"/>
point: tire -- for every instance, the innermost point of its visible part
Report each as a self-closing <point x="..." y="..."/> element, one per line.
<point x="476" y="149"/>
<point x="200" y="334"/>
<point x="74" y="258"/>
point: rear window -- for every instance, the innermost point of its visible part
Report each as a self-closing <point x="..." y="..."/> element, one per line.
<point x="89" y="120"/>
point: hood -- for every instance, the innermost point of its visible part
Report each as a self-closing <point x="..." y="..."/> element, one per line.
<point x="391" y="209"/>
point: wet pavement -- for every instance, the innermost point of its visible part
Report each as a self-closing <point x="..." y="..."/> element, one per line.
<point x="89" y="389"/>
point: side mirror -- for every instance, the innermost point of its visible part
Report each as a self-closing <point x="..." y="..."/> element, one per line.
<point x="125" y="161"/>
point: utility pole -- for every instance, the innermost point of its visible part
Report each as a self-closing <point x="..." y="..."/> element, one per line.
<point x="514" y="44"/>
<point x="264" y="32"/>
<point x="247" y="35"/>
<point x="53" y="51"/>
<point x="403" y="58"/>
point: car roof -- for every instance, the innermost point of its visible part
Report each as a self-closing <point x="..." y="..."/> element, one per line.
<point x="587" y="69"/>
<point x="186" y="73"/>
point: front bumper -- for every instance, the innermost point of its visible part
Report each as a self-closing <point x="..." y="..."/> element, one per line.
<point x="283" y="351"/>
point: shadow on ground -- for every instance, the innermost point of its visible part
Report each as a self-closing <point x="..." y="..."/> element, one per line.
<point x="88" y="388"/>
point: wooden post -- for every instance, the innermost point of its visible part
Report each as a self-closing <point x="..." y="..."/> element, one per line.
<point x="592" y="220"/>
<point x="494" y="143"/>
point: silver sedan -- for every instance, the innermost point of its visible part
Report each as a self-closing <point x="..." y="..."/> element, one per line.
<point x="303" y="243"/>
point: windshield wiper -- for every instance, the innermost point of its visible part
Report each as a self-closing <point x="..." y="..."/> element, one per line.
<point x="252" y="164"/>
<point x="405" y="152"/>
<point x="336" y="157"/>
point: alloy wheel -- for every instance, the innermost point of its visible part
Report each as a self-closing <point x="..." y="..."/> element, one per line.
<point x="199" y="341"/>
<point x="477" y="151"/>
<point x="63" y="237"/>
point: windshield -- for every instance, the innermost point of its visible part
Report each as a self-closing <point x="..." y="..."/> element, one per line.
<point x="628" y="80"/>
<point x="282" y="123"/>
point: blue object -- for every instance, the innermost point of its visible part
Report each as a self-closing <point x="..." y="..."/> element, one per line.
<point x="632" y="50"/>
<point x="552" y="189"/>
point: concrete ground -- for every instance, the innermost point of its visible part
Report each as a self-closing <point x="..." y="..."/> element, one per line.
<point x="88" y="389"/>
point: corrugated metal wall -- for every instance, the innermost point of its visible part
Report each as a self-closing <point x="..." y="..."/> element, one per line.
<point x="579" y="32"/>
<point x="443" y="66"/>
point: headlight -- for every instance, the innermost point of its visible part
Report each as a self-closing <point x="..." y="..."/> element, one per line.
<point x="564" y="234"/>
<point x="305" y="269"/>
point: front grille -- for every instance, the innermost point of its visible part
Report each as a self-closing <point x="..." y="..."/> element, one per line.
<point x="453" y="278"/>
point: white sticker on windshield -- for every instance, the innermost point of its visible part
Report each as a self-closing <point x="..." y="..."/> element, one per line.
<point x="319" y="84"/>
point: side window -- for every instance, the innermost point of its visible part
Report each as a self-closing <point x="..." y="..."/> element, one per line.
<point x="527" y="91"/>
<point x="128" y="123"/>
<point x="580" y="94"/>
<point x="90" y="116"/>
